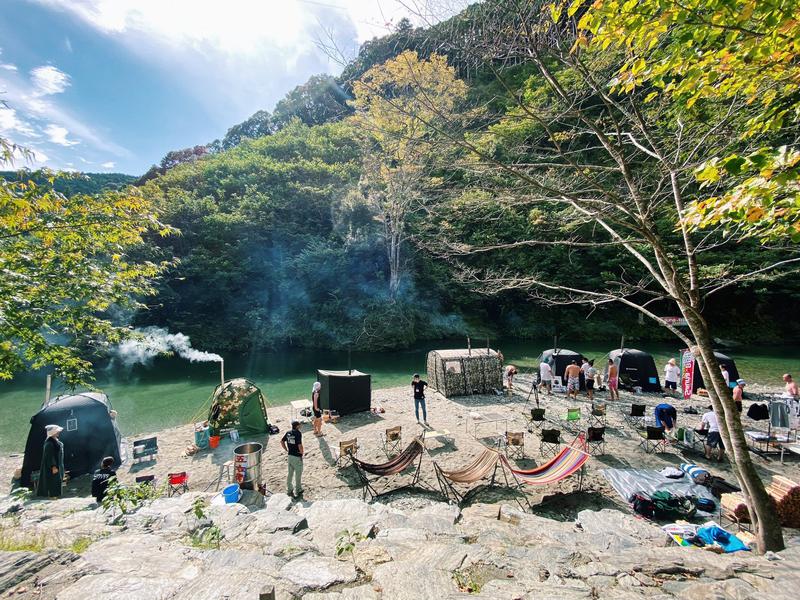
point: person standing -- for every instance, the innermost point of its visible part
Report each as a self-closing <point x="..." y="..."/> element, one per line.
<point x="292" y="443"/>
<point x="589" y="375"/>
<point x="418" y="386"/>
<point x="738" y="393"/>
<point x="546" y="376"/>
<point x="791" y="387"/>
<point x="51" y="472"/>
<point x="102" y="477"/>
<point x="573" y="375"/>
<point x="672" y="375"/>
<point x="725" y="375"/>
<point x="316" y="391"/>
<point x="713" y="438"/>
<point x="612" y="381"/>
<point x="511" y="370"/>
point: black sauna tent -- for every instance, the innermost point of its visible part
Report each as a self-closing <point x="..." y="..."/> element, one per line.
<point x="559" y="359"/>
<point x="722" y="359"/>
<point x="636" y="369"/>
<point x="90" y="434"/>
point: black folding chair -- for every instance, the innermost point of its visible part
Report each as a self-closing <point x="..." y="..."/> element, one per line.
<point x="636" y="417"/>
<point x="653" y="440"/>
<point x="597" y="417"/>
<point x="551" y="442"/>
<point x="536" y="420"/>
<point x="595" y="440"/>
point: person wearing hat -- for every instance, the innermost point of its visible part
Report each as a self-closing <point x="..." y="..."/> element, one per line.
<point x="316" y="392"/>
<point x="710" y="424"/>
<point x="738" y="393"/>
<point x="292" y="442"/>
<point x="419" y="386"/>
<point x="51" y="472"/>
<point x="672" y="375"/>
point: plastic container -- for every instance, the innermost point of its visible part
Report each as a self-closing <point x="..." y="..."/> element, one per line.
<point x="231" y="493"/>
<point x="247" y="465"/>
<point x="213" y="441"/>
<point x="201" y="437"/>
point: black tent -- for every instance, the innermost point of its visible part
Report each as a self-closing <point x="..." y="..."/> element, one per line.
<point x="636" y="369"/>
<point x="722" y="359"/>
<point x="346" y="392"/>
<point x="90" y="433"/>
<point x="559" y="359"/>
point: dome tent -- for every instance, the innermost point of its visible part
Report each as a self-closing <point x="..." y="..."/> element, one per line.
<point x="636" y="369"/>
<point x="238" y="404"/>
<point x="722" y="359"/>
<point x="90" y="433"/>
<point x="559" y="359"/>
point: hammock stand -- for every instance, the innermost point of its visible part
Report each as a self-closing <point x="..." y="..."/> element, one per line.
<point x="488" y="461"/>
<point x="572" y="458"/>
<point x="413" y="453"/>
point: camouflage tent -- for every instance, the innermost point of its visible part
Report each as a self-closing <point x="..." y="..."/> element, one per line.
<point x="464" y="372"/>
<point x="238" y="404"/>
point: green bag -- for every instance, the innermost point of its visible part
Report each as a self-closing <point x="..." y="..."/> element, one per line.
<point x="668" y="506"/>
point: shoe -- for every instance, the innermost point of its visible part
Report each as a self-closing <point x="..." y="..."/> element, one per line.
<point x="426" y="424"/>
<point x="299" y="494"/>
<point x="289" y="493"/>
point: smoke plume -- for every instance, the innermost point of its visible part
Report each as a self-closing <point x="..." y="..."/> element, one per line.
<point x="153" y="342"/>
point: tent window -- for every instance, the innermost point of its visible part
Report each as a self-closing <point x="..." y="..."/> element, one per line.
<point x="452" y="366"/>
<point x="72" y="424"/>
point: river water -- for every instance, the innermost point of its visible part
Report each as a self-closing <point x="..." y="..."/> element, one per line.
<point x="173" y="392"/>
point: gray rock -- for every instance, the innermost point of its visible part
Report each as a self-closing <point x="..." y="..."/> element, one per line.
<point x="112" y="586"/>
<point x="278" y="502"/>
<point x="361" y="592"/>
<point x="411" y="581"/>
<point x="317" y="572"/>
<point x="612" y="530"/>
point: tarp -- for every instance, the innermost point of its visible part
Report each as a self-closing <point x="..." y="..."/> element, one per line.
<point x="628" y="481"/>
<point x="238" y="404"/>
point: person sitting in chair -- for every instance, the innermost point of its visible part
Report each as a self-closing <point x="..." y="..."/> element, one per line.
<point x="102" y="478"/>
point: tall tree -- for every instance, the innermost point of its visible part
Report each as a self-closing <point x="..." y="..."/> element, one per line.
<point x="398" y="105"/>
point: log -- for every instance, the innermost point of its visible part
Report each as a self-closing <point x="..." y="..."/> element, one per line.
<point x="785" y="496"/>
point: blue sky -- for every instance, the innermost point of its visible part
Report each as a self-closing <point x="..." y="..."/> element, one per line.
<point x="113" y="85"/>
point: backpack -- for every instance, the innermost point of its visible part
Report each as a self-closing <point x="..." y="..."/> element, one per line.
<point x="668" y="506"/>
<point x="642" y="504"/>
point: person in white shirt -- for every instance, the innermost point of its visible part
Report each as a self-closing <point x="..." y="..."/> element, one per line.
<point x="725" y="375"/>
<point x="713" y="438"/>
<point x="672" y="374"/>
<point x="546" y="376"/>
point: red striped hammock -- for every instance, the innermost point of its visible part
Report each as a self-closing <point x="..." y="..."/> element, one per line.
<point x="569" y="460"/>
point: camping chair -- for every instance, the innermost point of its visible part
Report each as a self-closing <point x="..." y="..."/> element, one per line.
<point x="636" y="417"/>
<point x="148" y="479"/>
<point x="653" y="440"/>
<point x="346" y="448"/>
<point x="595" y="440"/>
<point x="515" y="444"/>
<point x="536" y="419"/>
<point x="177" y="483"/>
<point x="597" y="417"/>
<point x="391" y="440"/>
<point x="146" y="448"/>
<point x="551" y="442"/>
<point x="573" y="419"/>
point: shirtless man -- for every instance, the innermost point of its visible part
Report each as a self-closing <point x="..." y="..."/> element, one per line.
<point x="573" y="375"/>
<point x="791" y="387"/>
<point x="613" y="380"/>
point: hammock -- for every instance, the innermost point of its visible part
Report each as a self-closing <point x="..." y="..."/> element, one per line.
<point x="566" y="463"/>
<point x="392" y="467"/>
<point x="475" y="471"/>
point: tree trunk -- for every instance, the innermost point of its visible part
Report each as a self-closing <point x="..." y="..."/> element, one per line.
<point x="394" y="242"/>
<point x="769" y="535"/>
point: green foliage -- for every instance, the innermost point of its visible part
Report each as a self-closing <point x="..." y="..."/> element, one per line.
<point x="71" y="184"/>
<point x="66" y="261"/>
<point x="125" y="499"/>
<point x="346" y="541"/>
<point x="80" y="545"/>
<point x="207" y="538"/>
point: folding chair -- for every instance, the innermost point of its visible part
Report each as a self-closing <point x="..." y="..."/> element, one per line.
<point x="636" y="417"/>
<point x="146" y="448"/>
<point x="177" y="483"/>
<point x="551" y="442"/>
<point x="148" y="479"/>
<point x="346" y="448"/>
<point x="573" y="419"/>
<point x="515" y="444"/>
<point x="653" y="440"/>
<point x="392" y="440"/>
<point x="595" y="440"/>
<point x="536" y="420"/>
<point x="597" y="417"/>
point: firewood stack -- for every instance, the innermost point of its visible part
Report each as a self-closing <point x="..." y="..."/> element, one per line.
<point x="785" y="495"/>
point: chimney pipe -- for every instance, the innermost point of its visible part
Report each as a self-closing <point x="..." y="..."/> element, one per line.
<point x="48" y="387"/>
<point x="222" y="372"/>
<point x="469" y="347"/>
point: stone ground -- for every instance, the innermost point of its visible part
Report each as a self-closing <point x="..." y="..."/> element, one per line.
<point x="573" y="544"/>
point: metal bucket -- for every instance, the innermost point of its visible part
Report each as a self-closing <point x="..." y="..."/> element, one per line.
<point x="247" y="465"/>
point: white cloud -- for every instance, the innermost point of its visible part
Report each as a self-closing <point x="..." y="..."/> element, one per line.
<point x="9" y="121"/>
<point x="8" y="66"/>
<point x="109" y="165"/>
<point x="48" y="80"/>
<point x="58" y="135"/>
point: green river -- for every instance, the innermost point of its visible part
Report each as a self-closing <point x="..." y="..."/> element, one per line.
<point x="172" y="391"/>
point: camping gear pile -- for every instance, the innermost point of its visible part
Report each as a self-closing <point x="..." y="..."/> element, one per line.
<point x="237" y="404"/>
<point x="709" y="536"/>
<point x="784" y="493"/>
<point x="464" y="372"/>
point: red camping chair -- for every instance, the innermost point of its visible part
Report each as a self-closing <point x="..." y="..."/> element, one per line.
<point x="178" y="483"/>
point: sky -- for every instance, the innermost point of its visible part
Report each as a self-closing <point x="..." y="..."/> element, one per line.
<point x="113" y="85"/>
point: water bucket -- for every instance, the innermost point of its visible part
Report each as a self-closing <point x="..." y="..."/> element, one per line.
<point x="213" y="441"/>
<point x="201" y="437"/>
<point x="231" y="493"/>
<point x="247" y="465"/>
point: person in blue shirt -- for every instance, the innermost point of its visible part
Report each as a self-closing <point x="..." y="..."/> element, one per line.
<point x="666" y="416"/>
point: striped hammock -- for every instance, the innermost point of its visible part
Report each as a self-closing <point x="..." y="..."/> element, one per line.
<point x="569" y="460"/>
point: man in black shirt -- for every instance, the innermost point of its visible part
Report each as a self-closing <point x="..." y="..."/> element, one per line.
<point x="419" y="397"/>
<point x="101" y="478"/>
<point x="292" y="442"/>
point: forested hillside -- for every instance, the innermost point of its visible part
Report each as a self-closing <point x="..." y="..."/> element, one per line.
<point x="78" y="183"/>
